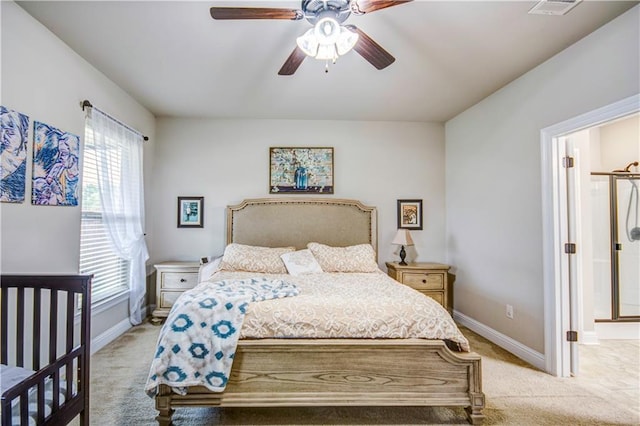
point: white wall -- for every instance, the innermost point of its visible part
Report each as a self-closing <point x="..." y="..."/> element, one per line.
<point x="227" y="161"/>
<point x="620" y="144"/>
<point x="493" y="175"/>
<point x="44" y="79"/>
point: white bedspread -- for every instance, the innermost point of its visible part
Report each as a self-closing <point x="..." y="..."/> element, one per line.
<point x="347" y="305"/>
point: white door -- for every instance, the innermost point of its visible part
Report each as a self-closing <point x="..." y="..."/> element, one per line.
<point x="567" y="176"/>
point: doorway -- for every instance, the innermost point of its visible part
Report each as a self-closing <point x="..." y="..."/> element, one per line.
<point x="604" y="194"/>
<point x="562" y="217"/>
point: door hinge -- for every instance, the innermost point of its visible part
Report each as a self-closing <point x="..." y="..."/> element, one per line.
<point x="567" y="162"/>
<point x="617" y="247"/>
<point x="570" y="248"/>
<point x="572" y="336"/>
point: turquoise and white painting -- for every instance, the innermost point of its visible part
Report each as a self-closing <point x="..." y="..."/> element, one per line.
<point x="13" y="155"/>
<point x="56" y="170"/>
<point x="301" y="170"/>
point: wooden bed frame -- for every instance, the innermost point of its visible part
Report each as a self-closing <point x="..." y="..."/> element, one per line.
<point x="331" y="372"/>
<point x="52" y="302"/>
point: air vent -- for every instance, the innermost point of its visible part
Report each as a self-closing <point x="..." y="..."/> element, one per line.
<point x="553" y="7"/>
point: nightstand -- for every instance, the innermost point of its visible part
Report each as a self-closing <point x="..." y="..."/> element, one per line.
<point x="173" y="279"/>
<point x="431" y="279"/>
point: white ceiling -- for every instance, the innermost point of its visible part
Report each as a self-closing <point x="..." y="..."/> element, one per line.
<point x="177" y="61"/>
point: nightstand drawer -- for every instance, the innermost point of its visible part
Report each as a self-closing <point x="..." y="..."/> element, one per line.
<point x="168" y="298"/>
<point x="436" y="295"/>
<point x="422" y="281"/>
<point x="179" y="280"/>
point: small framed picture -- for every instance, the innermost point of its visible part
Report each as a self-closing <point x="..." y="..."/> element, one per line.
<point x="410" y="214"/>
<point x="190" y="211"/>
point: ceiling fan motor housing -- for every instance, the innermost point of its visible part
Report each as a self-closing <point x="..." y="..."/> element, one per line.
<point x="314" y="10"/>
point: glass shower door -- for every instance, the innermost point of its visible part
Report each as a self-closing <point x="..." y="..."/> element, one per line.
<point x="601" y="247"/>
<point x="627" y="247"/>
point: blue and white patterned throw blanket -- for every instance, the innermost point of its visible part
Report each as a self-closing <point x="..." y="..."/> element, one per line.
<point x="198" y="341"/>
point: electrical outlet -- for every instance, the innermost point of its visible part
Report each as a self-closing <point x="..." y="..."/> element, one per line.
<point x="509" y="311"/>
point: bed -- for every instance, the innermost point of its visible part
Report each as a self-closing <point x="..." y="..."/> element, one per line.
<point x="44" y="349"/>
<point x="334" y="370"/>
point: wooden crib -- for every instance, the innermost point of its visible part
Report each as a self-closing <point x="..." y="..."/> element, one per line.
<point x="44" y="348"/>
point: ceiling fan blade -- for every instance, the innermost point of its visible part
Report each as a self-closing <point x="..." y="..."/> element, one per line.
<point x="370" y="50"/>
<point x="360" y="7"/>
<point x="255" y="13"/>
<point x="293" y="62"/>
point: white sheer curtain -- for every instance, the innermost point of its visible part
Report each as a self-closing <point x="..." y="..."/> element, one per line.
<point x="120" y="183"/>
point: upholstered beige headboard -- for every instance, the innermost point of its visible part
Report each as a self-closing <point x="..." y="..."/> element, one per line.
<point x="295" y="222"/>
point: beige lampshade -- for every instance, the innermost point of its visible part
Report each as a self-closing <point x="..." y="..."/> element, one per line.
<point x="403" y="238"/>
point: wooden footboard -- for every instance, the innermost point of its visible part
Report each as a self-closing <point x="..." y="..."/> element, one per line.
<point x="342" y="372"/>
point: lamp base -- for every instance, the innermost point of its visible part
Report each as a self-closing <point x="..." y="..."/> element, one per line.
<point x="403" y="254"/>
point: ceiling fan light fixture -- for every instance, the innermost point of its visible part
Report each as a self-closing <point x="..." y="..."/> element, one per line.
<point x="346" y="41"/>
<point x="308" y="43"/>
<point x="327" y="52"/>
<point x="327" y="30"/>
<point x="327" y="40"/>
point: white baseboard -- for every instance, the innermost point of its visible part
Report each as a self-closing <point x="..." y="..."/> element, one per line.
<point x="113" y="333"/>
<point x="588" y="338"/>
<point x="523" y="352"/>
<point x="618" y="330"/>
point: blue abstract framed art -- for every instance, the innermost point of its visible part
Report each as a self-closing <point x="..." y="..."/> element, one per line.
<point x="56" y="169"/>
<point x="14" y="127"/>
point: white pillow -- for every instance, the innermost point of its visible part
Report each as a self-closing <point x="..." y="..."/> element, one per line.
<point x="207" y="269"/>
<point x="240" y="257"/>
<point x="301" y="262"/>
<point x="358" y="258"/>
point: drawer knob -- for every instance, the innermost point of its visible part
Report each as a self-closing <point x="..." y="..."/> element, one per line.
<point x="182" y="280"/>
<point x="424" y="281"/>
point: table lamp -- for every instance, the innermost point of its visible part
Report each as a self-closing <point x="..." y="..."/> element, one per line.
<point x="402" y="238"/>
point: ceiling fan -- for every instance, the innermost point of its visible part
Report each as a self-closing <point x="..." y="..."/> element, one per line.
<point x="328" y="39"/>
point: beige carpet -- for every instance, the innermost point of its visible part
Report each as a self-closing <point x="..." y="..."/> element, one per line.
<point x="516" y="393"/>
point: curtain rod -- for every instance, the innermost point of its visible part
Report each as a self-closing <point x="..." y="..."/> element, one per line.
<point x="87" y="104"/>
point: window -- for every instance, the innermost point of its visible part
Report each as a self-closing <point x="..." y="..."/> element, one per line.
<point x="110" y="272"/>
<point x="112" y="238"/>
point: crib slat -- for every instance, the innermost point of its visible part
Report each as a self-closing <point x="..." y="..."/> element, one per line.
<point x="84" y="366"/>
<point x="36" y="329"/>
<point x="4" y="296"/>
<point x="53" y="326"/>
<point x="40" y="404"/>
<point x="24" y="407"/>
<point x="20" y="327"/>
<point x="69" y="380"/>
<point x="56" y="390"/>
<point x="69" y="373"/>
<point x="8" y="415"/>
<point x="70" y="315"/>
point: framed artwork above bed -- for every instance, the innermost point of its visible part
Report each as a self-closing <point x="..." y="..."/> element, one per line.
<point x="301" y="170"/>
